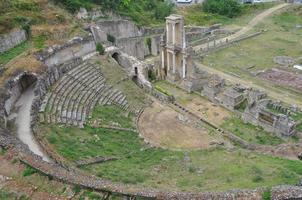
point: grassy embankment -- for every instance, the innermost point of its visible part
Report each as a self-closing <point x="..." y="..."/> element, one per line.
<point x="216" y="169"/>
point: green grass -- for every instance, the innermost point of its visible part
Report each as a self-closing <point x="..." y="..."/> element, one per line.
<point x="136" y="97"/>
<point x="7" y="56"/>
<point x="76" y="144"/>
<point x="250" y="133"/>
<point x="29" y="171"/>
<point x="113" y="116"/>
<point x="212" y="170"/>
<point x="280" y="39"/>
<point x="39" y="41"/>
<point x="297" y="116"/>
<point x="299" y="128"/>
<point x="6" y="195"/>
<point x="194" y="15"/>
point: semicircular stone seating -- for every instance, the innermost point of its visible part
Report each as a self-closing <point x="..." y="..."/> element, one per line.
<point x="72" y="99"/>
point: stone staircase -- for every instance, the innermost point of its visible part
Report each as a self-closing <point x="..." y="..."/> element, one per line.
<point x="74" y="96"/>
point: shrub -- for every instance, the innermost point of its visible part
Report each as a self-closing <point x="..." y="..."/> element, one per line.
<point x="76" y="189"/>
<point x="229" y="8"/>
<point x="267" y="195"/>
<point x="151" y="75"/>
<point x="110" y="38"/>
<point x="100" y="48"/>
<point x="148" y="42"/>
<point x="29" y="171"/>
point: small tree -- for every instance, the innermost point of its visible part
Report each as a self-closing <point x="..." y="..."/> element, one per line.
<point x="100" y="48"/>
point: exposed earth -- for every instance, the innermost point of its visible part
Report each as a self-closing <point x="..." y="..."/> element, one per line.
<point x="177" y="132"/>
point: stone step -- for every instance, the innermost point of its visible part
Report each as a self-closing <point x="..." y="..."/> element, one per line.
<point x="64" y="84"/>
<point x="69" y="89"/>
<point x="78" y="95"/>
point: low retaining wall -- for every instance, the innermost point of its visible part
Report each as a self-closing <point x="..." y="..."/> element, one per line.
<point x="11" y="40"/>
<point x="75" y="48"/>
<point x="226" y="43"/>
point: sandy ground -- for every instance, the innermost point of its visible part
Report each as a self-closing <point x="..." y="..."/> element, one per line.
<point x="207" y="110"/>
<point x="162" y="126"/>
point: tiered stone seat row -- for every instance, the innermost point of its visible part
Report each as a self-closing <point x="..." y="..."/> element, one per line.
<point x="75" y="95"/>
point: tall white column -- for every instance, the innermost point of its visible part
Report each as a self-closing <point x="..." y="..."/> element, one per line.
<point x="174" y="67"/>
<point x="184" y="67"/>
<point x="168" y="61"/>
<point x="163" y="59"/>
<point x="184" y="37"/>
<point x="174" y="33"/>
<point x="167" y="27"/>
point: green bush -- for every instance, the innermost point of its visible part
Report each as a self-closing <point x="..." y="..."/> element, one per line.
<point x="151" y="75"/>
<point x="229" y="8"/>
<point x="100" y="48"/>
<point x="29" y="171"/>
<point x="110" y="38"/>
<point x="267" y="195"/>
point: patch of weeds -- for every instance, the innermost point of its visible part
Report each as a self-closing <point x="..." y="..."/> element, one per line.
<point x="39" y="41"/>
<point x="29" y="171"/>
<point x="2" y="151"/>
<point x="267" y="195"/>
<point x="76" y="189"/>
<point x="7" y="56"/>
<point x="257" y="179"/>
<point x="258" y="174"/>
<point x="251" y="133"/>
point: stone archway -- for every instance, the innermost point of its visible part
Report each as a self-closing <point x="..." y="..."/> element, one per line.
<point x="26" y="81"/>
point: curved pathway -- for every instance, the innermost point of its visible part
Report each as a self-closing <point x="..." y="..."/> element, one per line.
<point x="249" y="26"/>
<point x="23" y="123"/>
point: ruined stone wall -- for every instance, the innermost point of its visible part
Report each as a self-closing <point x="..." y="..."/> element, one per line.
<point x="120" y="28"/>
<point x="139" y="47"/>
<point x="75" y="48"/>
<point x="11" y="40"/>
<point x="14" y="88"/>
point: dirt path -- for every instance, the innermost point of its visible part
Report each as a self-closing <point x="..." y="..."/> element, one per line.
<point x="285" y="96"/>
<point x="249" y="26"/>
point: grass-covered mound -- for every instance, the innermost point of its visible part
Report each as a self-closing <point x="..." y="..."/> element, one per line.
<point x="251" y="133"/>
<point x="195" y="15"/>
<point x="143" y="12"/>
<point x="216" y="169"/>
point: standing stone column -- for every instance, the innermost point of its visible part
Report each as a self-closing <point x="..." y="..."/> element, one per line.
<point x="167" y="27"/>
<point x="174" y="60"/>
<point x="173" y="33"/>
<point x="184" y="66"/>
<point x="163" y="59"/>
<point x="168" y="61"/>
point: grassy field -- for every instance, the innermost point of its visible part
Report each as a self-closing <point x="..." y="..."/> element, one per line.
<point x="6" y="195"/>
<point x="251" y="133"/>
<point x="249" y="57"/>
<point x="7" y="56"/>
<point x="190" y="171"/>
<point x="216" y="169"/>
<point x="136" y="97"/>
<point x="194" y="15"/>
